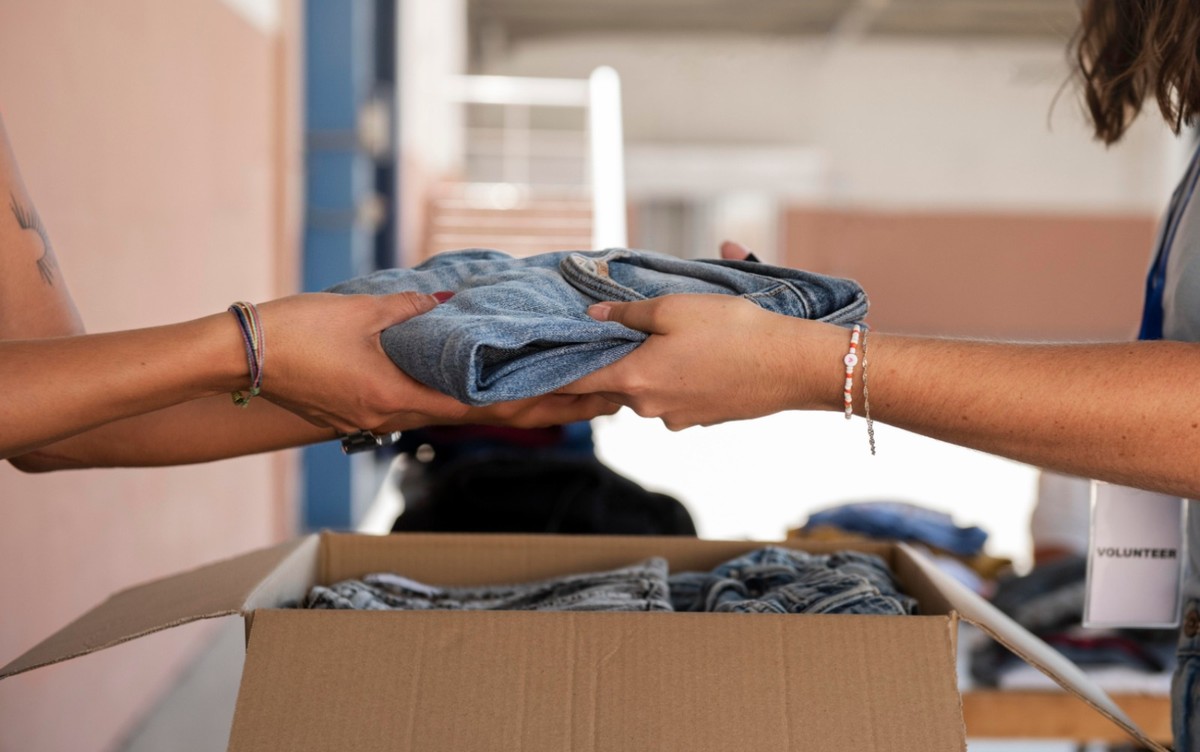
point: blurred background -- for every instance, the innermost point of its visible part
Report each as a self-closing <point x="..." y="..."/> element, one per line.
<point x="191" y="153"/>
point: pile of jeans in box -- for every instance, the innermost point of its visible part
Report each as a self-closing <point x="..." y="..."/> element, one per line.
<point x="768" y="580"/>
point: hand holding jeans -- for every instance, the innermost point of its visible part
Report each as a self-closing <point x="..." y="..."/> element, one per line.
<point x="327" y="365"/>
<point x="324" y="361"/>
<point x="535" y="412"/>
<point x="715" y="358"/>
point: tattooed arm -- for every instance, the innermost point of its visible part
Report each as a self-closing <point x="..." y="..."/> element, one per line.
<point x="34" y="301"/>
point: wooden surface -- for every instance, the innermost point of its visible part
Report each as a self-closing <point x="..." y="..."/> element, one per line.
<point x="996" y="714"/>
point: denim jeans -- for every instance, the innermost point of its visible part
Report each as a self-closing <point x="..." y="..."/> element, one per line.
<point x="1185" y="686"/>
<point x="641" y="587"/>
<point x="898" y="520"/>
<point x="519" y="328"/>
<point x="767" y="580"/>
<point x="784" y="581"/>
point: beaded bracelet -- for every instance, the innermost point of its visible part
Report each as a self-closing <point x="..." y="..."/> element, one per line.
<point x="851" y="360"/>
<point x="858" y="334"/>
<point x="252" y="336"/>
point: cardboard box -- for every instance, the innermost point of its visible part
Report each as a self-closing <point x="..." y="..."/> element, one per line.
<point x="364" y="681"/>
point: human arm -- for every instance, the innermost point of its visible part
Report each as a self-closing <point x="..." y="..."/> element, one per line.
<point x="211" y="428"/>
<point x="160" y="396"/>
<point x="55" y="382"/>
<point x="1123" y="412"/>
<point x="324" y="362"/>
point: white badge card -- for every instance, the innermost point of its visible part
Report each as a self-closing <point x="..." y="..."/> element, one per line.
<point x="1136" y="557"/>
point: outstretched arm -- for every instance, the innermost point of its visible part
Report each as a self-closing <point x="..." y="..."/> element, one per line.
<point x="160" y="396"/>
<point x="1125" y="412"/>
<point x="324" y="362"/>
<point x="1122" y="412"/>
<point x="211" y="428"/>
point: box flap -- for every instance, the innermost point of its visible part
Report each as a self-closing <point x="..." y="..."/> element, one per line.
<point x="1023" y="643"/>
<point x="227" y="587"/>
<point x="522" y="681"/>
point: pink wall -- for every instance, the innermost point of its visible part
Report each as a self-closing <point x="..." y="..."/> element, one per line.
<point x="1014" y="276"/>
<point x="160" y="143"/>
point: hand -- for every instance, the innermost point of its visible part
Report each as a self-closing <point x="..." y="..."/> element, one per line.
<point x="324" y="361"/>
<point x="539" y="412"/>
<point x="535" y="412"/>
<point x="714" y="358"/>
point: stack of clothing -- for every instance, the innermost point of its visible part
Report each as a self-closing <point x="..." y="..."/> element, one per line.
<point x="768" y="580"/>
<point x="957" y="550"/>
<point x="1049" y="602"/>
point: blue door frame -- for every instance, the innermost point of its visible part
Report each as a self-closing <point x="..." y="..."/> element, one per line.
<point x="349" y="64"/>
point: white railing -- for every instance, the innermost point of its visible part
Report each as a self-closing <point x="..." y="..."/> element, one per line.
<point x="513" y="144"/>
<point x="606" y="135"/>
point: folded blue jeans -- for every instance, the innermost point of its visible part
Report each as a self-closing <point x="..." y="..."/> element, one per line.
<point x="641" y="587"/>
<point x="902" y="521"/>
<point x="785" y="581"/>
<point x="519" y="328"/>
<point x="767" y="580"/>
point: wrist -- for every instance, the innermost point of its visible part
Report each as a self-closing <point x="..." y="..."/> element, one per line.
<point x="816" y="372"/>
<point x="218" y="339"/>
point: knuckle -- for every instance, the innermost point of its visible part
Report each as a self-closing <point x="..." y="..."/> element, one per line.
<point x="648" y="409"/>
<point x="376" y="398"/>
<point x="656" y="317"/>
<point x="675" y="425"/>
<point x="634" y="384"/>
<point x="342" y="425"/>
<point x="405" y="303"/>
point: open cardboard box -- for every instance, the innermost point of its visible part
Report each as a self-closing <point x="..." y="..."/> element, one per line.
<point x="369" y="680"/>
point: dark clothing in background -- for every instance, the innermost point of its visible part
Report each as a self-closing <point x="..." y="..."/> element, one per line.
<point x="1049" y="602"/>
<point x="512" y="492"/>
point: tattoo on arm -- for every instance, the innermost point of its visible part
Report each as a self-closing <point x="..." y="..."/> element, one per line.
<point x="28" y="219"/>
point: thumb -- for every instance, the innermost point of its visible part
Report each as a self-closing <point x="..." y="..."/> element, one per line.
<point x="402" y="306"/>
<point x="732" y="250"/>
<point x="641" y="315"/>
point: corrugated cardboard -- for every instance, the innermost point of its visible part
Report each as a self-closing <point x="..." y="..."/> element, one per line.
<point x="325" y="680"/>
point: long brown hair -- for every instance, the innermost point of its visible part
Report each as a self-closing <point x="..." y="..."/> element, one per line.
<point x="1128" y="50"/>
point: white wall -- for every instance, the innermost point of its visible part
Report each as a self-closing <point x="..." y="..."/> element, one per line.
<point x="904" y="123"/>
<point x="157" y="142"/>
<point x="431" y="45"/>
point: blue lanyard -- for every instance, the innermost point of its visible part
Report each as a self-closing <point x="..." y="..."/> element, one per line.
<point x="1156" y="280"/>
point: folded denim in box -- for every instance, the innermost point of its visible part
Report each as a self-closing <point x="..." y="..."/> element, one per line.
<point x="770" y="580"/>
<point x="519" y="328"/>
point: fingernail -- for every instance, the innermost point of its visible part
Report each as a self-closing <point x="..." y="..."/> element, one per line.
<point x="443" y="296"/>
<point x="599" y="311"/>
